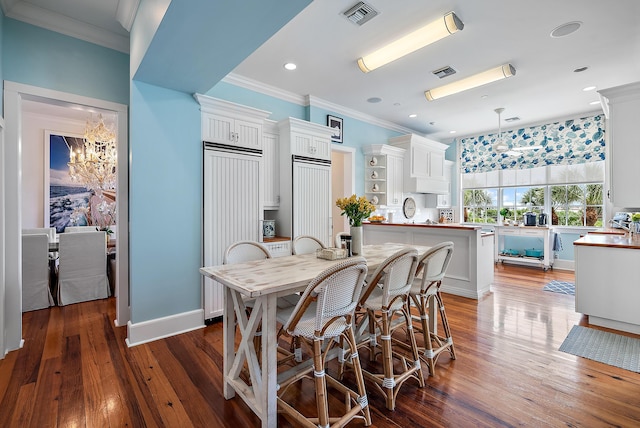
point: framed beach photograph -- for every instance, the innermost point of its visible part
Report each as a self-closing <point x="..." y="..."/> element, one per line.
<point x="335" y="123"/>
<point x="66" y="203"/>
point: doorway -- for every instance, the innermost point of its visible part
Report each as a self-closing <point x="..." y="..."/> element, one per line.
<point x="342" y="183"/>
<point x="14" y="96"/>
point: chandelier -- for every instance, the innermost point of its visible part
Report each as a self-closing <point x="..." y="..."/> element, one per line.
<point x="94" y="164"/>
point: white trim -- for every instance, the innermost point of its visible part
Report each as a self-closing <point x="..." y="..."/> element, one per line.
<point x="11" y="168"/>
<point x="465" y="292"/>
<point x="354" y="114"/>
<point x="126" y="13"/>
<point x="263" y="88"/>
<point x="3" y="314"/>
<point x="309" y="100"/>
<point x="560" y="264"/>
<point x="27" y="12"/>
<point x="160" y="328"/>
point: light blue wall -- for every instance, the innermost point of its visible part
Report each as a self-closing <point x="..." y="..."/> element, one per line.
<point x="165" y="202"/>
<point x="451" y="154"/>
<point x="43" y="58"/>
<point x="279" y="109"/>
<point x="356" y="134"/>
<point x="522" y="243"/>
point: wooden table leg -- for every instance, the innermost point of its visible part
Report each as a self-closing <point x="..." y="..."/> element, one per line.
<point x="228" y="347"/>
<point x="269" y="402"/>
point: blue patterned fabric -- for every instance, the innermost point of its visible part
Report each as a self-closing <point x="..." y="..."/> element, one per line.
<point x="563" y="143"/>
<point x="563" y="287"/>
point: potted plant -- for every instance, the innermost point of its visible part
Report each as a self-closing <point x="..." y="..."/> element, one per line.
<point x="505" y="212"/>
<point x="635" y="218"/>
<point x="356" y="209"/>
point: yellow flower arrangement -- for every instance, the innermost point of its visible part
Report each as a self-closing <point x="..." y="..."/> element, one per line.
<point x="357" y="209"/>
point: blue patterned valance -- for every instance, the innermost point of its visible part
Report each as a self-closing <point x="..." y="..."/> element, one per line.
<point x="563" y="143"/>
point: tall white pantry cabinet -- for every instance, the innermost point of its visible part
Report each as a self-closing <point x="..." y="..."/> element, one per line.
<point x="305" y="180"/>
<point x="233" y="180"/>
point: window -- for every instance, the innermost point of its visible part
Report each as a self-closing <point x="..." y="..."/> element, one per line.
<point x="520" y="200"/>
<point x="577" y="205"/>
<point x="481" y="205"/>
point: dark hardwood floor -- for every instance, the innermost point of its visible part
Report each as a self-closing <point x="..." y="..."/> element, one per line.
<point x="75" y="370"/>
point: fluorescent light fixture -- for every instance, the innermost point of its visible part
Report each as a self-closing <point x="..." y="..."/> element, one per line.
<point x="430" y="33"/>
<point x="498" y="73"/>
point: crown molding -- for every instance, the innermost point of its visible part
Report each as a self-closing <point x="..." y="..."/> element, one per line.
<point x="354" y="114"/>
<point x="126" y="13"/>
<point x="26" y="12"/>
<point x="254" y="85"/>
<point x="309" y="100"/>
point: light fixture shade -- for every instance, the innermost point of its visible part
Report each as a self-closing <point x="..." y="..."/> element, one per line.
<point x="498" y="73"/>
<point x="430" y="33"/>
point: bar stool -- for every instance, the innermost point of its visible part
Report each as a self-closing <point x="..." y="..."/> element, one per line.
<point x="425" y="292"/>
<point x="323" y="318"/>
<point x="385" y="305"/>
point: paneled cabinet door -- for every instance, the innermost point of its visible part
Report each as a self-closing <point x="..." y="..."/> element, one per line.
<point x="231" y="131"/>
<point x="309" y="145"/>
<point x="394" y="180"/>
<point x="271" y="157"/>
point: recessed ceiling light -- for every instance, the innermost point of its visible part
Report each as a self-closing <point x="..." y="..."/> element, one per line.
<point x="588" y="88"/>
<point x="580" y="70"/>
<point x="374" y="100"/>
<point x="412" y="115"/>
<point x="565" y="29"/>
<point x="452" y="132"/>
<point x="595" y="103"/>
<point x="290" y="66"/>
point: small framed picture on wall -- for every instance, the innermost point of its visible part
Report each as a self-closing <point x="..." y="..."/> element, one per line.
<point x="335" y="123"/>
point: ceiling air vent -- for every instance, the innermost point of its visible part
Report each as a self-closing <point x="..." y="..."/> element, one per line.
<point x="360" y="13"/>
<point x="444" y="72"/>
<point x="512" y="119"/>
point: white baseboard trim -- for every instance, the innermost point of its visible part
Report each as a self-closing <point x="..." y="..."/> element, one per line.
<point x="564" y="264"/>
<point x="159" y="328"/>
<point x="464" y="292"/>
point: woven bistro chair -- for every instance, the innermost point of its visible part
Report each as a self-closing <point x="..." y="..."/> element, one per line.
<point x="383" y="307"/>
<point x="323" y="318"/>
<point x="306" y="244"/>
<point x="424" y="293"/>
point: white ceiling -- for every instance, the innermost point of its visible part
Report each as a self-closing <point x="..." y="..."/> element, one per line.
<point x="325" y="46"/>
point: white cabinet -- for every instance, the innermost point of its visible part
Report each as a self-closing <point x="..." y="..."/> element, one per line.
<point x="231" y="124"/>
<point x="518" y="255"/>
<point x="444" y="200"/>
<point x="271" y="161"/>
<point x="232" y="212"/>
<point x="424" y="170"/>
<point x="624" y="150"/>
<point x="305" y="180"/>
<point x="383" y="174"/>
<point x="306" y="139"/>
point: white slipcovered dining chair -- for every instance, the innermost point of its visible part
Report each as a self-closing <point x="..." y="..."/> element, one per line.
<point x="36" y="292"/>
<point x="82" y="272"/>
<point x="425" y="292"/>
<point x="306" y="244"/>
<point x="75" y="229"/>
<point x="49" y="231"/>
<point x="323" y="318"/>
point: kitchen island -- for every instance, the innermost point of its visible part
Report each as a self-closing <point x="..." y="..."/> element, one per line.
<point x="608" y="280"/>
<point x="470" y="272"/>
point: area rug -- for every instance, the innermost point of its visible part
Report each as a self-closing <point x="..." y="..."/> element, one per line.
<point x="609" y="348"/>
<point x="563" y="287"/>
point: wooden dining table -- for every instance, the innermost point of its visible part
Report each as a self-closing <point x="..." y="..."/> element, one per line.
<point x="266" y="280"/>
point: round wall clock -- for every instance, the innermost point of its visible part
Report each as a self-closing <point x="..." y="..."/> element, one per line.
<point x="409" y="208"/>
